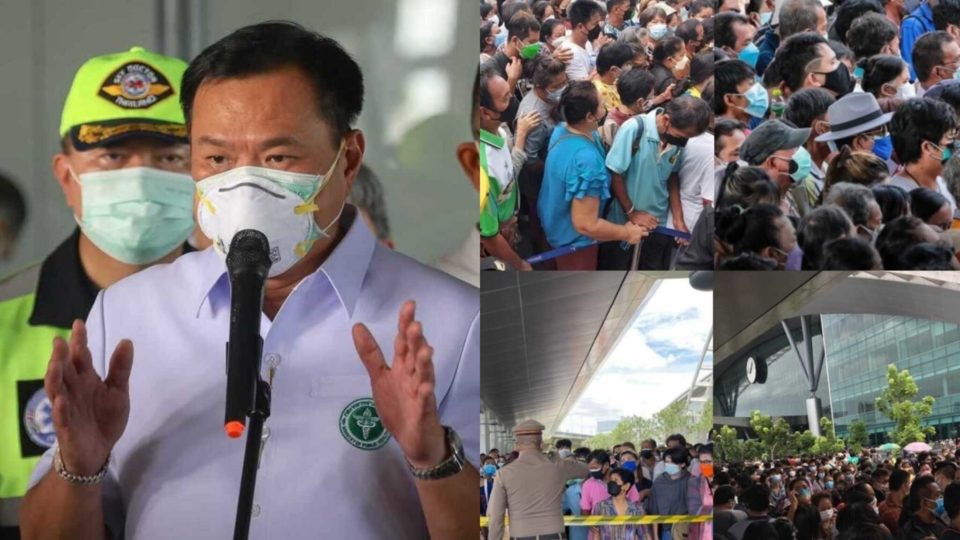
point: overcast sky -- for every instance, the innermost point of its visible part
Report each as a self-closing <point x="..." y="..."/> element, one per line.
<point x="654" y="361"/>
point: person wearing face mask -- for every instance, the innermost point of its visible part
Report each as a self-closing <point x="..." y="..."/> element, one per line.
<point x="924" y="133"/>
<point x="549" y="82"/>
<point x="654" y="20"/>
<point x="621" y="481"/>
<point x="487" y="473"/>
<point x="670" y="63"/>
<point x="618" y="13"/>
<point x="777" y="147"/>
<point x="531" y="489"/>
<point x="124" y="172"/>
<point x="522" y="44"/>
<point x="645" y="158"/>
<point x="734" y="34"/>
<point x="564" y="448"/>
<point x="635" y="88"/>
<point x="586" y="23"/>
<point x="576" y="184"/>
<point x="808" y="108"/>
<point x="888" y="79"/>
<point x="936" y="58"/>
<point x="915" y="25"/>
<point x="857" y="122"/>
<point x="738" y="96"/>
<point x="614" y="59"/>
<point x="270" y="109"/>
<point x="502" y="165"/>
<point x="919" y="519"/>
<point x="675" y="492"/>
<point x="594" y="488"/>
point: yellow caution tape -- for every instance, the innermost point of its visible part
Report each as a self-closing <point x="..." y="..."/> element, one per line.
<point x="590" y="521"/>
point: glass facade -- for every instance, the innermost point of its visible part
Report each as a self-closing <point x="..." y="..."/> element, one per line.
<point x="859" y="348"/>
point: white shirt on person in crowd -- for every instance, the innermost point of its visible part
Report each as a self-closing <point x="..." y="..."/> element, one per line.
<point x="175" y="474"/>
<point x="696" y="179"/>
<point x="583" y="62"/>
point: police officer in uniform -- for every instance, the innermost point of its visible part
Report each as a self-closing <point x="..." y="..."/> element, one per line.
<point x="531" y="487"/>
<point x="124" y="170"/>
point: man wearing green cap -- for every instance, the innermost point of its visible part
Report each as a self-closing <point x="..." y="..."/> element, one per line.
<point x="124" y="170"/>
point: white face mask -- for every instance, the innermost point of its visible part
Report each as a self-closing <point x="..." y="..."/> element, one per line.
<point x="825" y="515"/>
<point x="279" y="204"/>
<point x="906" y="91"/>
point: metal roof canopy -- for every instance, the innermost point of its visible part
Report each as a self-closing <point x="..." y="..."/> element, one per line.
<point x="543" y="335"/>
<point x="749" y="306"/>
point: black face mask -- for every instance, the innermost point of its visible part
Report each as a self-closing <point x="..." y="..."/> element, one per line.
<point x="679" y="142"/>
<point x="646" y="454"/>
<point x="839" y="81"/>
<point x="509" y="115"/>
<point x="596" y="474"/>
<point x="595" y="33"/>
<point x="613" y="488"/>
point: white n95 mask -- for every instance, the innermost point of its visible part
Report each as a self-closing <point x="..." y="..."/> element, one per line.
<point x="279" y="204"/>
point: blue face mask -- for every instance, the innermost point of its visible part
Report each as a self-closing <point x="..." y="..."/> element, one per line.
<point x="800" y="165"/>
<point x="657" y="31"/>
<point x="629" y="465"/>
<point x="946" y="152"/>
<point x="757" y="101"/>
<point x="489" y="469"/>
<point x="671" y="468"/>
<point x="750" y="54"/>
<point x="858" y="73"/>
<point x="765" y="18"/>
<point x="828" y="484"/>
<point x="804" y="493"/>
<point x="136" y="215"/>
<point x="883" y="147"/>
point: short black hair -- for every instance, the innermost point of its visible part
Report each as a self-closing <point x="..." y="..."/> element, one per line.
<point x="614" y="54"/>
<point x="806" y="105"/>
<point x="485" y="10"/>
<point x="626" y="475"/>
<point x="924" y="203"/>
<point x="897" y="478"/>
<point x="486" y="75"/>
<point x="546" y="29"/>
<point x="687" y="30"/>
<point x="927" y="256"/>
<point x="600" y="455"/>
<point x="613" y="3"/>
<point x="13" y="207"/>
<point x="850" y="11"/>
<point x="723" y="33"/>
<point x="701" y="68"/>
<point x="723" y="495"/>
<point x="699" y="5"/>
<point x="678" y="455"/>
<point x="951" y="96"/>
<point x="634" y="84"/>
<point x="727" y="75"/>
<point x="946" y="12"/>
<point x="688" y="112"/>
<point x="581" y="12"/>
<point x="951" y="499"/>
<point x="724" y="127"/>
<point x="849" y="254"/>
<point x="793" y="56"/>
<point x="918" y="120"/>
<point x="486" y="30"/>
<point x="928" y="52"/>
<point x="579" y="99"/>
<point x="749" y="230"/>
<point x="564" y="443"/>
<point x="819" y="226"/>
<point x="893" y="200"/>
<point x="521" y="24"/>
<point x="547" y="68"/>
<point x="539" y="9"/>
<point x="756" y="497"/>
<point x="880" y="69"/>
<point x="896" y="237"/>
<point x="268" y="46"/>
<point x="870" y="33"/>
<point x="665" y="48"/>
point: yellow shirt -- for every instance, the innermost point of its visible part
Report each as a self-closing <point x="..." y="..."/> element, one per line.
<point x="608" y="93"/>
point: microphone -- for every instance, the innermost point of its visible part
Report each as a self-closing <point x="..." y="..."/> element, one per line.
<point x="248" y="262"/>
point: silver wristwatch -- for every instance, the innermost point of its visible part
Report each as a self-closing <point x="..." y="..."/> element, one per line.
<point x="62" y="471"/>
<point x="448" y="467"/>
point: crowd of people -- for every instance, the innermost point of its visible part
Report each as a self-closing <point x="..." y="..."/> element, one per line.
<point x="836" y="125"/>
<point x="595" y="134"/>
<point x="621" y="481"/>
<point x="870" y="495"/>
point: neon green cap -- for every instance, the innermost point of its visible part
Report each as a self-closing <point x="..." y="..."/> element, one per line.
<point x="115" y="96"/>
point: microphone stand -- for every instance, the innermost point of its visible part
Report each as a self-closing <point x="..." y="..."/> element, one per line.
<point x="251" y="457"/>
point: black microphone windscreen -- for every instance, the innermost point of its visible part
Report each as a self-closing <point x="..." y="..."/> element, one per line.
<point x="249" y="249"/>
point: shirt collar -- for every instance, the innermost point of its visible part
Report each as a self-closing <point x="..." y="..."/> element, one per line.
<point x="345" y="268"/>
<point x="64" y="292"/>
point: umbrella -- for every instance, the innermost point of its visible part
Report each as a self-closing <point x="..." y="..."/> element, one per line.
<point x="889" y="447"/>
<point x="917" y="447"/>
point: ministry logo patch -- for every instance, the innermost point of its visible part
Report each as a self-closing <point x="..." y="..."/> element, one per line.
<point x="135" y="85"/>
<point x="360" y="425"/>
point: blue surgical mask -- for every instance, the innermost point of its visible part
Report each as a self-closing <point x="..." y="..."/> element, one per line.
<point x="671" y="468"/>
<point x="757" y="101"/>
<point x="489" y="469"/>
<point x="765" y="18"/>
<point x="883" y="147"/>
<point x="629" y="465"/>
<point x="136" y="215"/>
<point x="858" y="73"/>
<point x="657" y="31"/>
<point x="750" y="54"/>
<point x="828" y="484"/>
<point x="800" y="165"/>
<point x="939" y="510"/>
<point x="946" y="153"/>
<point x="804" y="493"/>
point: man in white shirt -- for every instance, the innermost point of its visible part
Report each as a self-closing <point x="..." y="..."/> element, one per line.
<point x="586" y="20"/>
<point x="696" y="179"/>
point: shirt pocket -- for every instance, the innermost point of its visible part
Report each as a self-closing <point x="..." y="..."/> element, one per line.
<point x="353" y="386"/>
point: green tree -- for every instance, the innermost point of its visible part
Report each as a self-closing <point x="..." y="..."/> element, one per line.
<point x="674" y="418"/>
<point x="827" y="442"/>
<point x="775" y="436"/>
<point x="726" y="447"/>
<point x="804" y="443"/>
<point x="897" y="403"/>
<point x="858" y="436"/>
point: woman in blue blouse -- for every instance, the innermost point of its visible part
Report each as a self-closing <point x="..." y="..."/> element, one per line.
<point x="576" y="183"/>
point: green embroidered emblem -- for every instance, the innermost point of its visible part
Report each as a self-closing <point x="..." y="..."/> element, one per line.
<point x="360" y="425"/>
